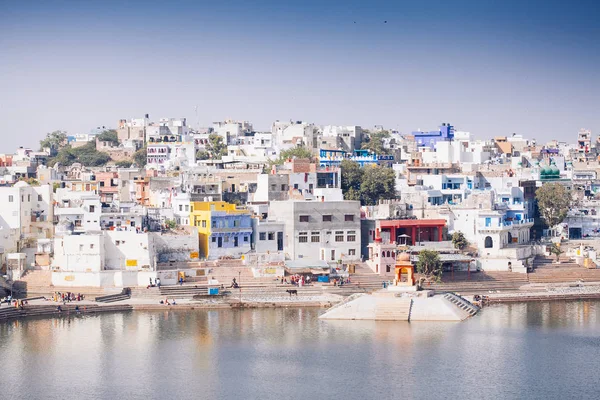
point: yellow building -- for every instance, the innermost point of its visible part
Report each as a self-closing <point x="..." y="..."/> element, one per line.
<point x="223" y="229"/>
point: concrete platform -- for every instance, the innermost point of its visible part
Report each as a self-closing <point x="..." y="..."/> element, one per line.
<point x="386" y="306"/>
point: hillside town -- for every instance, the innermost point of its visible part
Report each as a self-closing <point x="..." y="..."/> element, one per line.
<point x="151" y="203"/>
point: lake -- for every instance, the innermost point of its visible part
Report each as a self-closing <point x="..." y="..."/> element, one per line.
<point x="530" y="350"/>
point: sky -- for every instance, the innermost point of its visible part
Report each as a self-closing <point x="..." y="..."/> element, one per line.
<point x="489" y="67"/>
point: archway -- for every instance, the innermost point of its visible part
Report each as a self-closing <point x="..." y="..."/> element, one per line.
<point x="510" y="238"/>
<point x="489" y="242"/>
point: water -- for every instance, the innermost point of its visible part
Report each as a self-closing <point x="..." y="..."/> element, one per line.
<point x="533" y="351"/>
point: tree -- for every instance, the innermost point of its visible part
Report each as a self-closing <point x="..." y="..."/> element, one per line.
<point x="459" y="241"/>
<point x="554" y="201"/>
<point x="124" y="163"/>
<point x="556" y="250"/>
<point x="171" y="224"/>
<point x="140" y="157"/>
<point x="54" y="141"/>
<point x="430" y="265"/>
<point x="215" y="149"/>
<point x="202" y="155"/>
<point x="377" y="183"/>
<point x="89" y="156"/>
<point x="374" y="143"/>
<point x="297" y="152"/>
<point x="352" y="175"/>
<point x="109" y="136"/>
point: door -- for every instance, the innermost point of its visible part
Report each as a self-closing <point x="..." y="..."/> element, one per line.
<point x="279" y="241"/>
<point x="235" y="241"/>
<point x="219" y="242"/>
<point x="332" y="255"/>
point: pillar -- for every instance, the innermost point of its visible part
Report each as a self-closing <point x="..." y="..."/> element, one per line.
<point x="393" y="234"/>
<point x="440" y="231"/>
<point x="414" y="235"/>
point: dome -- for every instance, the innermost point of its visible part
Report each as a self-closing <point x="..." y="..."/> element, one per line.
<point x="544" y="172"/>
<point x="404" y="257"/>
<point x="554" y="171"/>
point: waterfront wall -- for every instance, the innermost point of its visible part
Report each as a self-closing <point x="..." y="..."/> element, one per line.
<point x="103" y="279"/>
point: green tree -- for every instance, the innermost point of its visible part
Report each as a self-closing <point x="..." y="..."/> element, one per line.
<point x="140" y="157"/>
<point x="215" y="149"/>
<point x="556" y="250"/>
<point x="202" y="155"/>
<point x="109" y="135"/>
<point x="352" y="175"/>
<point x="430" y="265"/>
<point x="54" y="140"/>
<point x="89" y="156"/>
<point x="124" y="163"/>
<point x="64" y="157"/>
<point x="374" y="142"/>
<point x="459" y="241"/>
<point x="297" y="152"/>
<point x="554" y="202"/>
<point x="377" y="183"/>
<point x="171" y="224"/>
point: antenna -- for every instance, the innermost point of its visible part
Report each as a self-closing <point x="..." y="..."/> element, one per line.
<point x="197" y="119"/>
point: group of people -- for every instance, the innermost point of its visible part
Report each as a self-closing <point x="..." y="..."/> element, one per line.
<point x="341" y="281"/>
<point x="67" y="297"/>
<point x="166" y="301"/>
<point x="297" y="280"/>
<point x="13" y="302"/>
<point x="156" y="283"/>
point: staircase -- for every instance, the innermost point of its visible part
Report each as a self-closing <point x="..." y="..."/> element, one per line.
<point x="112" y="298"/>
<point x="396" y="311"/>
<point x="461" y="303"/>
<point x="546" y="271"/>
<point x="477" y="282"/>
<point x="52" y="310"/>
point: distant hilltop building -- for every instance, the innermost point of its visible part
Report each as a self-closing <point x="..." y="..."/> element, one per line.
<point x="429" y="139"/>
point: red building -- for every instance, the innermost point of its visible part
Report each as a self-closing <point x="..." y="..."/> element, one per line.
<point x="411" y="231"/>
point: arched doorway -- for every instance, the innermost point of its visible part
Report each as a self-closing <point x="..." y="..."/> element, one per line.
<point x="489" y="242"/>
<point x="509" y="238"/>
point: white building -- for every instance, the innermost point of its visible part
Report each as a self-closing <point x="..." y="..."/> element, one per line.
<point x="316" y="230"/>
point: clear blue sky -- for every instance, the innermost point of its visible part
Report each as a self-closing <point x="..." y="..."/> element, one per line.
<point x="489" y="67"/>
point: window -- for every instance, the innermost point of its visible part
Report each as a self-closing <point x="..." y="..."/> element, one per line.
<point x="187" y="208"/>
<point x="303" y="237"/>
<point x="91" y="246"/>
<point x="80" y="247"/>
<point x="262" y="236"/>
<point x="273" y="188"/>
<point x="271" y="235"/>
<point x="204" y="223"/>
<point x="245" y="238"/>
<point x="315" y="237"/>
<point x="226" y="239"/>
<point x="326" y="218"/>
<point x="283" y="188"/>
<point x="101" y="184"/>
<point x="352" y="252"/>
<point x="181" y="207"/>
<point x="117" y="242"/>
<point x="304" y="218"/>
<point x="92" y="209"/>
<point x="214" y="239"/>
<point x="11" y="199"/>
<point x="351" y="236"/>
<point x="236" y="223"/>
<point x="339" y="236"/>
<point x="39" y="197"/>
<point x="349" y="218"/>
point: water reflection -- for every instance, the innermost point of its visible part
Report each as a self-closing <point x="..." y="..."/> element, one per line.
<point x="509" y="351"/>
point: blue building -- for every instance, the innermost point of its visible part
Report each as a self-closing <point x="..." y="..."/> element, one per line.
<point x="429" y="139"/>
<point x="333" y="158"/>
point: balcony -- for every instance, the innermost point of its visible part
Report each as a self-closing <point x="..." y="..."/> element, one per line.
<point x="505" y="225"/>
